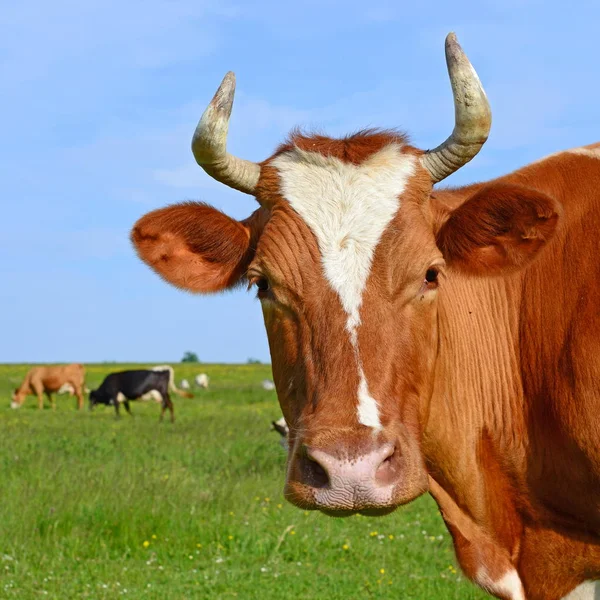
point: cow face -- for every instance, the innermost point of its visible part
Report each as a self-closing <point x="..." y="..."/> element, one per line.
<point x="16" y="399"/>
<point x="347" y="253"/>
<point x="97" y="397"/>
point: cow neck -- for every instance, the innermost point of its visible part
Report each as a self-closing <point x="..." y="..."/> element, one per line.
<point x="477" y="392"/>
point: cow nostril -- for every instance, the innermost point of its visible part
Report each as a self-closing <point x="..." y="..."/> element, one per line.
<point x="389" y="469"/>
<point x="313" y="473"/>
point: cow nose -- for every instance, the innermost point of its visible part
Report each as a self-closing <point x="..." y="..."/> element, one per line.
<point x="342" y="481"/>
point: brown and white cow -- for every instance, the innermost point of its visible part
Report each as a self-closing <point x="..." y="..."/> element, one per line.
<point x="49" y="380"/>
<point x="423" y="340"/>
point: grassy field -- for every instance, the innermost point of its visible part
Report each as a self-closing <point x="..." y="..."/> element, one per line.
<point x="92" y="507"/>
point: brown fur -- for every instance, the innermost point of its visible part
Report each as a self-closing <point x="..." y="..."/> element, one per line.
<point x="206" y="253"/>
<point x="354" y="148"/>
<point x="48" y="380"/>
<point x="489" y="386"/>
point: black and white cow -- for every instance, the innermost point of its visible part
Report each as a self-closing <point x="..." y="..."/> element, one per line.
<point x="132" y="385"/>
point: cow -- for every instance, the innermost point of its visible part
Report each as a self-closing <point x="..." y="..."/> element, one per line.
<point x="155" y="394"/>
<point x="280" y="426"/>
<point x="201" y="381"/>
<point x="48" y="380"/>
<point x="184" y="384"/>
<point x="422" y="339"/>
<point x="132" y="385"/>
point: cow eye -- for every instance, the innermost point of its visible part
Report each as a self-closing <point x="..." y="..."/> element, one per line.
<point x="262" y="285"/>
<point x="431" y="278"/>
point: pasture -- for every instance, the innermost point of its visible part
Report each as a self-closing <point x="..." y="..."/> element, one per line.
<point x="92" y="507"/>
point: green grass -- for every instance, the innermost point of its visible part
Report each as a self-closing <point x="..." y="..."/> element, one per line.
<point x="92" y="507"/>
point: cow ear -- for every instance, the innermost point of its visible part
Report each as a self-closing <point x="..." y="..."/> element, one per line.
<point x="197" y="247"/>
<point x="501" y="228"/>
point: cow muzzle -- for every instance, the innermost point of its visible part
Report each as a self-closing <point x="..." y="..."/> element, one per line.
<point x="339" y="482"/>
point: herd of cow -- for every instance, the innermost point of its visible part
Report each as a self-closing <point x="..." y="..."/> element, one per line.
<point x="116" y="389"/>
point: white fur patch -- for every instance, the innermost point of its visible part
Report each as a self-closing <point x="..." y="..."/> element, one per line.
<point x="509" y="585"/>
<point x="591" y="152"/>
<point x="586" y="591"/>
<point x="347" y="207"/>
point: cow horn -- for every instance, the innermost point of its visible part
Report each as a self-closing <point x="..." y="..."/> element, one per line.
<point x="473" y="117"/>
<point x="209" y="143"/>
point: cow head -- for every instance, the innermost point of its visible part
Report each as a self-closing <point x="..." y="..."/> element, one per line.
<point x="97" y="397"/>
<point x="347" y="252"/>
<point x="17" y="399"/>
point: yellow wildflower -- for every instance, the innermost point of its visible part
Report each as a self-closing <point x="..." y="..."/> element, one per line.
<point x="146" y="543"/>
<point x="382" y="571"/>
<point x="345" y="547"/>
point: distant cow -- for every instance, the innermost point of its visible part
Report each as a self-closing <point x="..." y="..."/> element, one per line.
<point x="154" y="394"/>
<point x="48" y="380"/>
<point x="132" y="385"/>
<point x="201" y="380"/>
<point x="184" y="384"/>
<point x="268" y="385"/>
<point x="281" y="427"/>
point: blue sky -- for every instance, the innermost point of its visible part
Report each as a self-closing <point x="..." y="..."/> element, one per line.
<point x="100" y="98"/>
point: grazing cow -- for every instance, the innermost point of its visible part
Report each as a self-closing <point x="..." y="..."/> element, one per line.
<point x="132" y="385"/>
<point x="48" y="380"/>
<point x="422" y="339"/>
<point x="155" y="394"/>
<point x="201" y="380"/>
<point x="184" y="384"/>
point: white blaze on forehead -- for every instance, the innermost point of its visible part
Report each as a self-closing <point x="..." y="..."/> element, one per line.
<point x="347" y="207"/>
